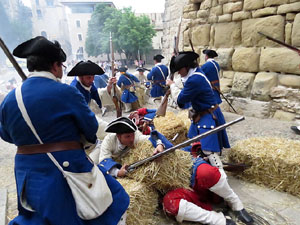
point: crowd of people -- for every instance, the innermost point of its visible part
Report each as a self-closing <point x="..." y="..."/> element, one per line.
<point x="51" y="121"/>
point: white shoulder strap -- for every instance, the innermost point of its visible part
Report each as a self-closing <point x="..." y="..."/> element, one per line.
<point x="201" y="74"/>
<point x="26" y="117"/>
<point x="163" y="75"/>
<point x="216" y="68"/>
<point x="131" y="82"/>
<point x="24" y="113"/>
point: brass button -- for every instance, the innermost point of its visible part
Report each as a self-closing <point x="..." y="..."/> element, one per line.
<point x="66" y="164"/>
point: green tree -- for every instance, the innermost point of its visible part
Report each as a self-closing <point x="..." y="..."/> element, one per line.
<point x="130" y="33"/>
<point x="97" y="42"/>
<point x="17" y="29"/>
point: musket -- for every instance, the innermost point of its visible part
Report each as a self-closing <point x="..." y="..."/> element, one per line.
<point x="280" y="42"/>
<point x="183" y="144"/>
<point x="176" y="44"/>
<point x="217" y="89"/>
<point x="116" y="99"/>
<point x="162" y="108"/>
<point x="12" y="60"/>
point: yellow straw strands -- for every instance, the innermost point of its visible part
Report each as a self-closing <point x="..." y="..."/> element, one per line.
<point x="168" y="172"/>
<point x="170" y="125"/>
<point x="274" y="162"/>
<point x="184" y="116"/>
<point x="143" y="202"/>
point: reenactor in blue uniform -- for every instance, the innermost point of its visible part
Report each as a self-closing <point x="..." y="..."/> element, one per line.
<point x="208" y="176"/>
<point x="123" y="136"/>
<point x="211" y="70"/>
<point x="84" y="73"/>
<point x="127" y="83"/>
<point x="60" y="115"/>
<point x="158" y="76"/>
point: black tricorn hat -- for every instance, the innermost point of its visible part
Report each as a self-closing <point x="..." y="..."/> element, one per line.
<point x="182" y="60"/>
<point x="140" y="69"/>
<point x="85" y="68"/>
<point x="158" y="57"/>
<point x="121" y="125"/>
<point x="210" y="53"/>
<point x="123" y="69"/>
<point x="40" y="46"/>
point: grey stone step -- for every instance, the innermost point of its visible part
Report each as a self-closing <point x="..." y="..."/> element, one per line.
<point x="3" y="206"/>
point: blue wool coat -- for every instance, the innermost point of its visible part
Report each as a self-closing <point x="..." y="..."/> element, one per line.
<point x="100" y="81"/>
<point x="211" y="70"/>
<point x="59" y="113"/>
<point x="127" y="80"/>
<point x="88" y="95"/>
<point x="158" y="76"/>
<point x="198" y="91"/>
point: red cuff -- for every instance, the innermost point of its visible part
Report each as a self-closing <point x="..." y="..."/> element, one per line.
<point x="142" y="111"/>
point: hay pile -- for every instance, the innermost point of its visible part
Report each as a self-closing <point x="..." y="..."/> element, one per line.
<point x="274" y="162"/>
<point x="184" y="116"/>
<point x="166" y="173"/>
<point x="143" y="202"/>
<point x="169" y="125"/>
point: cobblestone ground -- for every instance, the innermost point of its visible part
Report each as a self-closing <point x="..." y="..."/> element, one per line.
<point x="251" y="127"/>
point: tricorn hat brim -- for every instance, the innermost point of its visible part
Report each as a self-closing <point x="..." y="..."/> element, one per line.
<point x="40" y="46"/>
<point x="123" y="69"/>
<point x="158" y="57"/>
<point x="85" y="68"/>
<point x="210" y="53"/>
<point x="121" y="125"/>
<point x="184" y="59"/>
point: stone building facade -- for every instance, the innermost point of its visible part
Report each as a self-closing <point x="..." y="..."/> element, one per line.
<point x="260" y="77"/>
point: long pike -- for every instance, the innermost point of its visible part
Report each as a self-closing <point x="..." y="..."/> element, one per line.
<point x="280" y="42"/>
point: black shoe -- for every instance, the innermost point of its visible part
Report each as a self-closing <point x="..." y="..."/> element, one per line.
<point x="244" y="216"/>
<point x="230" y="222"/>
<point x="295" y="129"/>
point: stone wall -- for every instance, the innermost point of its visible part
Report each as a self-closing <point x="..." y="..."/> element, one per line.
<point x="260" y="77"/>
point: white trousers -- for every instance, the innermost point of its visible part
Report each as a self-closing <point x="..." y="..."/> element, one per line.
<point x="188" y="211"/>
<point x="223" y="189"/>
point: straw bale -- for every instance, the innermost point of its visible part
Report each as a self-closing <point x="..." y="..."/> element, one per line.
<point x="274" y="162"/>
<point x="184" y="115"/>
<point x="168" y="172"/>
<point x="143" y="202"/>
<point x="169" y="125"/>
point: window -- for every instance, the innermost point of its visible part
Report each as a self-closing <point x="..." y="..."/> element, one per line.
<point x="79" y="37"/>
<point x="39" y="14"/>
<point x="44" y="34"/>
<point x="50" y="2"/>
<point x="77" y="23"/>
<point x="79" y="53"/>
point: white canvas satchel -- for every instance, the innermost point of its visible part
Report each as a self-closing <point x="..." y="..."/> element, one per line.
<point x="90" y="191"/>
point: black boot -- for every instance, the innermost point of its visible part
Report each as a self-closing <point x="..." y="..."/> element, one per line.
<point x="244" y="216"/>
<point x="230" y="222"/>
<point x="295" y="129"/>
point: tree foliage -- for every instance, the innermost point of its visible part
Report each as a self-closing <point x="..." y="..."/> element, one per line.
<point x="130" y="33"/>
<point x="18" y="28"/>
